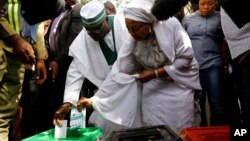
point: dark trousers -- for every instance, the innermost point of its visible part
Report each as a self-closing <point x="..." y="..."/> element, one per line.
<point x="88" y="90"/>
<point x="242" y="79"/>
<point x="231" y="98"/>
<point x="40" y="102"/>
<point x="211" y="80"/>
<point x="36" y="117"/>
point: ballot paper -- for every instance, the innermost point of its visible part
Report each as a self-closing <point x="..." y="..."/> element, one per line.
<point x="77" y="119"/>
<point x="61" y="131"/>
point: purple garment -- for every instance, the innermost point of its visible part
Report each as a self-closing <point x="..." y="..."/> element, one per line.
<point x="53" y="28"/>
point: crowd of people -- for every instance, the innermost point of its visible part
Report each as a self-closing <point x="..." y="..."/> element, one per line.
<point x="142" y="67"/>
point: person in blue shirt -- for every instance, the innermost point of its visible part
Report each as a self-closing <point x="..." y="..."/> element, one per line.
<point x="205" y="32"/>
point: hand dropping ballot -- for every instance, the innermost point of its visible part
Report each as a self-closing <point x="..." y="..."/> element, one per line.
<point x="61" y="131"/>
<point x="77" y="119"/>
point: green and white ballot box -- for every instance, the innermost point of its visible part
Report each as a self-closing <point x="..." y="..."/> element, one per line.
<point x="77" y="134"/>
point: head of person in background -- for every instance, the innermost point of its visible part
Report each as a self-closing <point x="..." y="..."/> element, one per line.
<point x="163" y="9"/>
<point x="207" y="7"/>
<point x="95" y="20"/>
<point x="70" y="3"/>
<point x="110" y="8"/>
<point x="194" y="5"/>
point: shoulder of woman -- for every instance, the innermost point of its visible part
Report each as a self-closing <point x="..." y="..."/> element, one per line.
<point x="172" y="23"/>
<point x="171" y="20"/>
<point x="119" y="21"/>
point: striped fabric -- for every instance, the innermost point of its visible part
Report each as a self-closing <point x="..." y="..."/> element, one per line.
<point x="13" y="9"/>
<point x="93" y="14"/>
<point x="95" y="21"/>
<point x="238" y="38"/>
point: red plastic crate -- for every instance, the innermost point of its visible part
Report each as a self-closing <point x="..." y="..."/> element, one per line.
<point x="211" y="133"/>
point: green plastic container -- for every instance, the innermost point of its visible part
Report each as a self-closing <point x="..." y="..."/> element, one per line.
<point x="79" y="134"/>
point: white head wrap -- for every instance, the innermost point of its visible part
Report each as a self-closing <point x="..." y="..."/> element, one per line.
<point x="140" y="10"/>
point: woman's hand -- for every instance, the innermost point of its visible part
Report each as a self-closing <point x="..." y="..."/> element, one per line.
<point x="145" y="76"/>
<point x="60" y="113"/>
<point x="84" y="103"/>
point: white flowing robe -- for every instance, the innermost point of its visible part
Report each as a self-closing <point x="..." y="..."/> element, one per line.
<point x="89" y="61"/>
<point x="164" y="101"/>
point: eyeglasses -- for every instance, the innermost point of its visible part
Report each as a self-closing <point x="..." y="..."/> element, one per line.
<point x="96" y="31"/>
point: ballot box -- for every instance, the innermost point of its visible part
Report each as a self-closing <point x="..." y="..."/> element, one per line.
<point x="78" y="134"/>
<point x="211" y="133"/>
<point x="150" y="133"/>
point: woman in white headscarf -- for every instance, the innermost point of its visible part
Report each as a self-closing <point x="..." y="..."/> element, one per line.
<point x="154" y="78"/>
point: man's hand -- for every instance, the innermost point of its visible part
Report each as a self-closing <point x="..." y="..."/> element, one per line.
<point x="41" y="73"/>
<point x="23" y="49"/>
<point x="84" y="103"/>
<point x="60" y="113"/>
<point x="53" y="67"/>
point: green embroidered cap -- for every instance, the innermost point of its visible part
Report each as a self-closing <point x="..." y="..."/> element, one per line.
<point x="93" y="14"/>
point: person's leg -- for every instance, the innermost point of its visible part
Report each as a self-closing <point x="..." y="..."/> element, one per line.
<point x="215" y="95"/>
<point x="4" y="129"/>
<point x="246" y="93"/>
<point x="15" y="126"/>
<point x="10" y="92"/>
<point x="202" y="98"/>
<point x="46" y="104"/>
<point x="242" y="76"/>
<point x="231" y="98"/>
<point x="29" y="103"/>
<point x="88" y="90"/>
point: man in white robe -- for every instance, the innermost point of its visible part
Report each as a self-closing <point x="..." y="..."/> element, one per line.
<point x="94" y="51"/>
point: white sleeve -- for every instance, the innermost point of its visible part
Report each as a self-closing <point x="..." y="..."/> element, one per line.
<point x="117" y="98"/>
<point x="73" y="83"/>
<point x="184" y="68"/>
